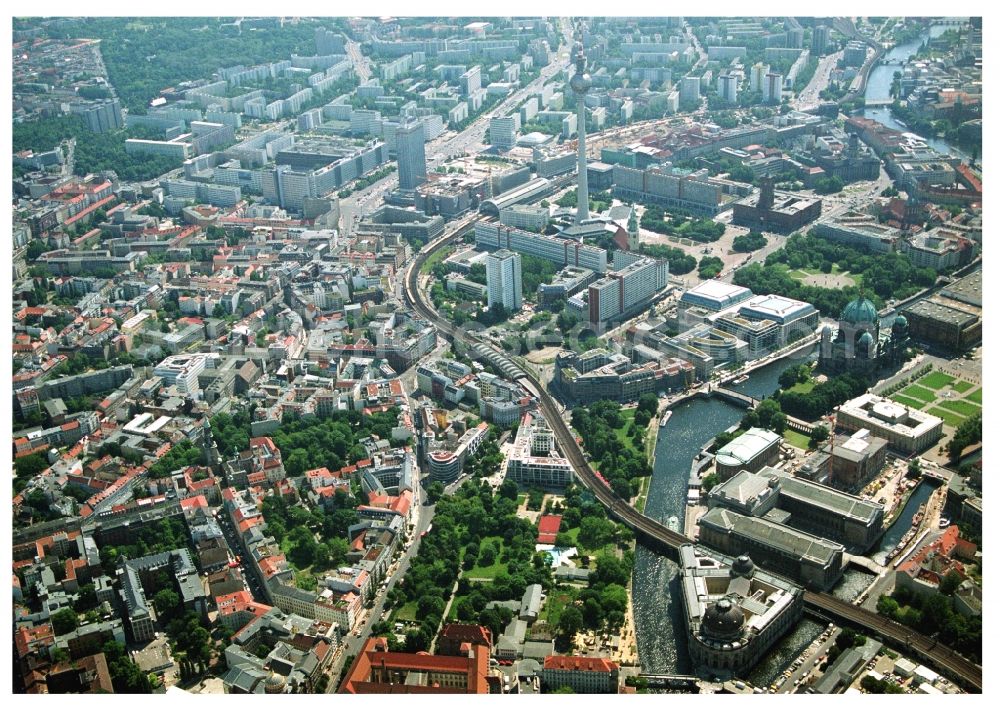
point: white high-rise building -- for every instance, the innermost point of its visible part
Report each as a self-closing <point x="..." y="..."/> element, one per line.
<point x="503" y="279"/>
<point x="758" y="73"/>
<point x="634" y="280"/>
<point x="503" y="131"/>
<point x="690" y="88"/>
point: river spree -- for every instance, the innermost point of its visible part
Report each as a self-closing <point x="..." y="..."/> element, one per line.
<point x="655" y="589"/>
<point x="880" y="83"/>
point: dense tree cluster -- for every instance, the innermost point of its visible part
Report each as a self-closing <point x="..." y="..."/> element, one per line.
<point x="709" y="267"/>
<point x="749" y="242"/>
<point x="183" y="454"/>
<point x="314" y="539"/>
<point x="767" y="415"/>
<point x="700" y="230"/>
<point x="599" y="200"/>
<point x="307" y="442"/>
<point x="828" y="185"/>
<point x="621" y="463"/>
<point x="823" y="397"/>
<point x="139" y="67"/>
<point x="680" y="262"/>
<point x="126" y="676"/>
<point x="890" y="275"/>
<point x="462" y="523"/>
<point x="968" y="433"/>
<point x="168" y="534"/>
<point x="766" y="279"/>
<point x="94" y="152"/>
<point x="934" y="614"/>
<point x="31" y="465"/>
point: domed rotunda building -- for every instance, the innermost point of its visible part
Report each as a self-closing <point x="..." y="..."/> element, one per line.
<point x="862" y="344"/>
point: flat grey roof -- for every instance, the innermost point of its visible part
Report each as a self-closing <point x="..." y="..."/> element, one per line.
<point x="828" y="498"/>
<point x="785" y="539"/>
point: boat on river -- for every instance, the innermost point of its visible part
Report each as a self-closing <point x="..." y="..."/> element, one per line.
<point x="665" y="418"/>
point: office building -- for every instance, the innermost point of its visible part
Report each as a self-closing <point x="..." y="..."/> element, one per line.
<point x="503" y="131"/>
<point x="564" y="252"/>
<point x="728" y="87"/>
<point x="410" y="156"/>
<point x="446" y="465"/>
<point x="183" y="370"/>
<point x="855" y="53"/>
<point x="776" y="211"/>
<point x="714" y="295"/>
<point x="533" y="461"/>
<point x="774" y="83"/>
<point x="503" y="279"/>
<point x="820" y="40"/>
<point x="734" y="610"/>
<point x="758" y="76"/>
<point x="600" y="375"/>
<point x="952" y="318"/>
<point x="525" y="216"/>
<point x="690" y="89"/>
<point x="793" y="319"/>
<point x="101" y="115"/>
<point x="626" y="289"/>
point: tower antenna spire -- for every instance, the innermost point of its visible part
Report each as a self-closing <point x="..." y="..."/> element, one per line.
<point x="580" y="83"/>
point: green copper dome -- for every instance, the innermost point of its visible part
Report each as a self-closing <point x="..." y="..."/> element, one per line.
<point x="901" y="320"/>
<point x="860" y="310"/>
<point x="866" y="339"/>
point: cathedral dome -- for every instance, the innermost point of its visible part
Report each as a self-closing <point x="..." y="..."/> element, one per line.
<point x="860" y="310"/>
<point x="723" y="620"/>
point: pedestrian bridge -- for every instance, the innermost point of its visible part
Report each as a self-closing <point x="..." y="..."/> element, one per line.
<point x="878" y="102"/>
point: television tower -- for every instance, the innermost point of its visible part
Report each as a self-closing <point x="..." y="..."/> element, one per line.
<point x="580" y="83"/>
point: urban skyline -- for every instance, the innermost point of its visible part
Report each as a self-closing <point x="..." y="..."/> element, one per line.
<point x="500" y="355"/>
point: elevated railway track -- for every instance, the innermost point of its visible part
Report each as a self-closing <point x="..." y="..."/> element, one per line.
<point x="654" y="533"/>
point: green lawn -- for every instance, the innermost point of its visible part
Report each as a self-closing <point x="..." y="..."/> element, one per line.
<point x="406" y="613"/>
<point x="948" y="417"/>
<point x="797" y="439"/>
<point x="804" y="273"/>
<point x="908" y="402"/>
<point x="918" y="393"/>
<point x="976" y="396"/>
<point x="435" y="258"/>
<point x="556" y="601"/>
<point x="936" y="380"/>
<point x="802" y="387"/>
<point x="494" y="570"/>
<point x="962" y="386"/>
<point x="628" y="415"/>
<point x="961" y="407"/>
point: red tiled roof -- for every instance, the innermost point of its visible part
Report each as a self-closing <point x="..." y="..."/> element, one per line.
<point x="579" y="663"/>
